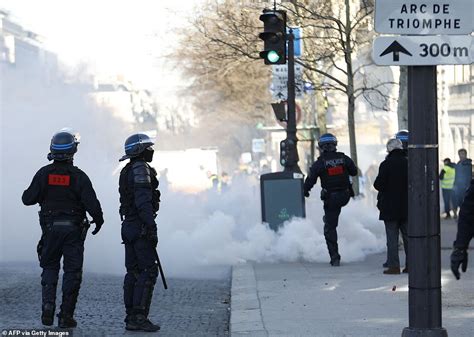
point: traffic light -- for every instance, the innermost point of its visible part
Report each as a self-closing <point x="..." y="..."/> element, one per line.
<point x="274" y="36"/>
<point x="288" y="154"/>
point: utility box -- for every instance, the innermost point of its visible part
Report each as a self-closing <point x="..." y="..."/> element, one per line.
<point x="281" y="197"/>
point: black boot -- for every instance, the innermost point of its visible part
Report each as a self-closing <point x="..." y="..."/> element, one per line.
<point x="336" y="261"/>
<point x="47" y="315"/>
<point x="66" y="321"/>
<point x="128" y="316"/>
<point x="68" y="306"/>
<point x="140" y="322"/>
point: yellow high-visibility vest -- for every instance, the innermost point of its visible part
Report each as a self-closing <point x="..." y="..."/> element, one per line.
<point x="448" y="179"/>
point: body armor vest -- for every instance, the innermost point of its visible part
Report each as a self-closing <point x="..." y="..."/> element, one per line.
<point x="126" y="190"/>
<point x="61" y="195"/>
<point x="334" y="176"/>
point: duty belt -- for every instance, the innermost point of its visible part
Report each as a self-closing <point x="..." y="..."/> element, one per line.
<point x="65" y="223"/>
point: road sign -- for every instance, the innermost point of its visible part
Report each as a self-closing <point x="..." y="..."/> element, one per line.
<point x="279" y="87"/>
<point x="423" y="50"/>
<point x="258" y="145"/>
<point x="424" y="17"/>
<point x="298" y="34"/>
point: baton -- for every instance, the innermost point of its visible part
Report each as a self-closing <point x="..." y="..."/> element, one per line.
<point x="163" y="279"/>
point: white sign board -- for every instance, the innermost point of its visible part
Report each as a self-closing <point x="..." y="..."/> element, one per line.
<point x="423" y="50"/>
<point x="424" y="17"/>
<point x="279" y="87"/>
<point x="258" y="145"/>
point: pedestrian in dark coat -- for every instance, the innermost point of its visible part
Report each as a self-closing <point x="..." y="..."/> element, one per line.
<point x="463" y="177"/>
<point x="392" y="184"/>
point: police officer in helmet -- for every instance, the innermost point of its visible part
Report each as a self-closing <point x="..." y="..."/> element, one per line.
<point x="139" y="203"/>
<point x="334" y="169"/>
<point x="64" y="194"/>
<point x="402" y="135"/>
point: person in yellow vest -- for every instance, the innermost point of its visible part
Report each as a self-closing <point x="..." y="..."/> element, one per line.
<point x="447" y="176"/>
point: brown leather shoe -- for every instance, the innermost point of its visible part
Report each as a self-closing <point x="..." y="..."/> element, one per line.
<point x="392" y="271"/>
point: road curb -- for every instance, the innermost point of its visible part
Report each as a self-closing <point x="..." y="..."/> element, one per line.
<point x="245" y="314"/>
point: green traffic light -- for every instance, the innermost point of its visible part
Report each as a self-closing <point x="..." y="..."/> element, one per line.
<point x="273" y="56"/>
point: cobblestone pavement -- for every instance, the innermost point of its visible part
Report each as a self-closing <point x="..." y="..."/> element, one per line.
<point x="187" y="308"/>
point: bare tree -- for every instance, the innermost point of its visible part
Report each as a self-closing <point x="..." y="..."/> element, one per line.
<point x="336" y="33"/>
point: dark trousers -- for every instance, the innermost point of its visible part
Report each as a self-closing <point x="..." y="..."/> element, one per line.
<point x="392" y="228"/>
<point x="142" y="270"/>
<point x="333" y="202"/>
<point x="62" y="241"/>
<point x="448" y="199"/>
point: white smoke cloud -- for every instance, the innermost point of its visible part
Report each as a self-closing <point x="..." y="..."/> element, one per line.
<point x="199" y="234"/>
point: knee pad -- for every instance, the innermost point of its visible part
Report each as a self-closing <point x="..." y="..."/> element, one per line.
<point x="151" y="274"/>
<point x="72" y="282"/>
<point x="130" y="278"/>
<point x="49" y="277"/>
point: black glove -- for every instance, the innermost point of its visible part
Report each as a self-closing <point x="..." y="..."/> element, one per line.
<point x="152" y="236"/>
<point x="458" y="258"/>
<point x="98" y="226"/>
<point x="306" y="194"/>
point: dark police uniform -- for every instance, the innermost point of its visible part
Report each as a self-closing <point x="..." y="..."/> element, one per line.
<point x="333" y="168"/>
<point x="465" y="232"/>
<point x="139" y="202"/>
<point x="64" y="193"/>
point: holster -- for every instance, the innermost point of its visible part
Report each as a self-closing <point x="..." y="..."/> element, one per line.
<point x="84" y="228"/>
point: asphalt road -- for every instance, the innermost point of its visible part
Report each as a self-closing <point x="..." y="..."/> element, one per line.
<point x="187" y="308"/>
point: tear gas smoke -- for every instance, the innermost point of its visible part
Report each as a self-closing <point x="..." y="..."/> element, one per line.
<point x="196" y="232"/>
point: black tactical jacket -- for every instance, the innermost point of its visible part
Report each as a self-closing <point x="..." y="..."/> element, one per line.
<point x="63" y="191"/>
<point x="139" y="194"/>
<point x="334" y="169"/>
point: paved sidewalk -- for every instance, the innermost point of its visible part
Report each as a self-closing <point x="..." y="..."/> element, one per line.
<point x="356" y="299"/>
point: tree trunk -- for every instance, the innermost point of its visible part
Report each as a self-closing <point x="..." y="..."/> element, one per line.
<point x="350" y="94"/>
<point x="352" y="133"/>
<point x="323" y="110"/>
<point x="402" y="110"/>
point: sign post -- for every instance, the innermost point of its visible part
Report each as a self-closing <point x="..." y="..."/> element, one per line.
<point x="446" y="26"/>
<point x="424" y="243"/>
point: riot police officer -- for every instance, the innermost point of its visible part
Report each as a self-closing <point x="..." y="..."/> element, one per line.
<point x="465" y="233"/>
<point x="64" y="193"/>
<point x="139" y="202"/>
<point x="334" y="169"/>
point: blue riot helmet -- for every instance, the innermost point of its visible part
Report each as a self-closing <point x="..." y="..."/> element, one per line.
<point x="63" y="145"/>
<point x="327" y="142"/>
<point x="138" y="145"/>
<point x="403" y="136"/>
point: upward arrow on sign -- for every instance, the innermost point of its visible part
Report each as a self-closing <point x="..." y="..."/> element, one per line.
<point x="395" y="48"/>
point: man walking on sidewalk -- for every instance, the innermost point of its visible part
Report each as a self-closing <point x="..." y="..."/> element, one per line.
<point x="392" y="184"/>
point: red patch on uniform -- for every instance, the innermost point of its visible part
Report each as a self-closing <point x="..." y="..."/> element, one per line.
<point x="335" y="171"/>
<point x="59" y="180"/>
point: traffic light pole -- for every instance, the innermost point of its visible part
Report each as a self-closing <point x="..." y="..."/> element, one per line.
<point x="292" y="165"/>
<point x="424" y="245"/>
